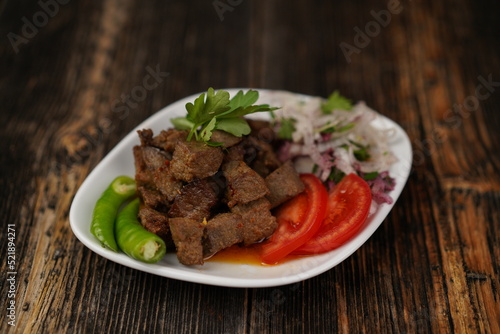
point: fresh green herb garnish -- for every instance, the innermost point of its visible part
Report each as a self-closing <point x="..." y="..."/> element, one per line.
<point x="328" y="128"/>
<point x="182" y="123"/>
<point x="370" y="176"/>
<point x="216" y="111"/>
<point x="362" y="152"/>
<point x="345" y="127"/>
<point x="287" y="128"/>
<point x="336" y="175"/>
<point x="315" y="169"/>
<point x="336" y="101"/>
<point x="361" y="155"/>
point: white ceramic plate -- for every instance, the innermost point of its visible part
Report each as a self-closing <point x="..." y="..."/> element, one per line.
<point x="120" y="162"/>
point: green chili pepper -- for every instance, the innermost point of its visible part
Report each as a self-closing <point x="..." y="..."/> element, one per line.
<point x="106" y="210"/>
<point x="134" y="240"/>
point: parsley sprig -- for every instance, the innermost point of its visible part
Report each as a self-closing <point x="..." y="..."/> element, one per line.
<point x="336" y="102"/>
<point x="217" y="111"/>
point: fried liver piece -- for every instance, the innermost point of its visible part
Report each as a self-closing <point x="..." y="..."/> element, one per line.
<point x="260" y="156"/>
<point x="222" y="231"/>
<point x="166" y="184"/>
<point x="244" y="184"/>
<point x="195" y="200"/>
<point x="142" y="175"/>
<point x="145" y="136"/>
<point x="258" y="222"/>
<point x="187" y="235"/>
<point x="147" y="159"/>
<point x="234" y="153"/>
<point x="262" y="130"/>
<point x="195" y="160"/>
<point x="152" y="198"/>
<point x="167" y="140"/>
<point x="284" y="183"/>
<point x="154" y="221"/>
<point x="227" y="139"/>
<point x="157" y="165"/>
<point x="153" y="157"/>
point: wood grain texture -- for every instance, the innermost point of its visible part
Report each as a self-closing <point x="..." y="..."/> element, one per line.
<point x="72" y="90"/>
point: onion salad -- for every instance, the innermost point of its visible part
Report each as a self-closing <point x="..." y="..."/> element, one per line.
<point x="332" y="138"/>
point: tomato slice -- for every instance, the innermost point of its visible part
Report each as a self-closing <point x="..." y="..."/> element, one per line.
<point x="347" y="209"/>
<point x="298" y="220"/>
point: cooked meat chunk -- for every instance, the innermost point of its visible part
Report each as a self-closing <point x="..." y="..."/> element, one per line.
<point x="157" y="165"/>
<point x="260" y="167"/>
<point x="257" y="125"/>
<point x="222" y="231"/>
<point x="166" y="183"/>
<point x="218" y="184"/>
<point x="142" y="175"/>
<point x="244" y="184"/>
<point x="258" y="222"/>
<point x="193" y="159"/>
<point x="284" y="183"/>
<point x="146" y="158"/>
<point x="152" y="198"/>
<point x="225" y="138"/>
<point x="154" y="158"/>
<point x="195" y="200"/>
<point x="187" y="235"/>
<point x="145" y="136"/>
<point x="260" y="156"/>
<point x="167" y="140"/>
<point x="235" y="153"/>
<point x="154" y="221"/>
<point x="262" y="130"/>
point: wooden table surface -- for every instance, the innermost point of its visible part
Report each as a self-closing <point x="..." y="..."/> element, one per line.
<point x="73" y="84"/>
